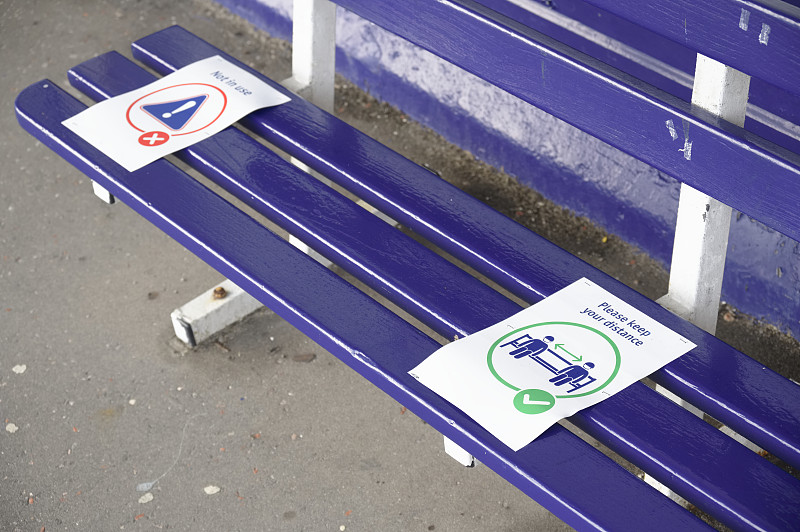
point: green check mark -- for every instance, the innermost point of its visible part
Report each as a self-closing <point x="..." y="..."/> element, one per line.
<point x="533" y="401"/>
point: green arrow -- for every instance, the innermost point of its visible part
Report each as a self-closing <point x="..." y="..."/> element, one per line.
<point x="574" y="358"/>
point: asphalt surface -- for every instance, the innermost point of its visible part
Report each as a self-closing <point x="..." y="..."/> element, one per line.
<point x="96" y="395"/>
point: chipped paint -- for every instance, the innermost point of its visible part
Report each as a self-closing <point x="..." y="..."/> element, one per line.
<point x="744" y="19"/>
<point x="687" y="150"/>
<point x="763" y="37"/>
<point x="671" y="128"/>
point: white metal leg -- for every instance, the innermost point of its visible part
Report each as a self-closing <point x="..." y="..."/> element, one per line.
<point x="458" y="453"/>
<point x="313" y="70"/>
<point x="302" y="246"/>
<point x="208" y="313"/>
<point x="102" y="193"/>
<point x="212" y="311"/>
<point x="314" y="51"/>
<point x="701" y="232"/>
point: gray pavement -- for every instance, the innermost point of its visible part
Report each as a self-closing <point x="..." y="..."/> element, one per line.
<point x="96" y="395"/>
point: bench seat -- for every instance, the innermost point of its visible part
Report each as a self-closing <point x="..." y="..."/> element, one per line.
<point x="492" y="244"/>
<point x="691" y="457"/>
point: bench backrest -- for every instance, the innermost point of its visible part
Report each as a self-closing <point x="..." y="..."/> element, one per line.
<point x="744" y="171"/>
<point x="760" y="38"/>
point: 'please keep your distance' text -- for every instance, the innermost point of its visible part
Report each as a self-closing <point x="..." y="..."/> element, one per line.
<point x="618" y="323"/>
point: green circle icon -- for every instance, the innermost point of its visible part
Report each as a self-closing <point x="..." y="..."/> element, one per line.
<point x="578" y="326"/>
<point x="534" y="401"/>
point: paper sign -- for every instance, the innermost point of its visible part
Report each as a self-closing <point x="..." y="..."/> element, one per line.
<point x="178" y="110"/>
<point x="569" y="351"/>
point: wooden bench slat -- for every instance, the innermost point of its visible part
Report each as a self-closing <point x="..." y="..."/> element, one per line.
<point x="231" y="158"/>
<point x="598" y="99"/>
<point x="302" y="291"/>
<point x="760" y="38"/>
<point x="766" y="407"/>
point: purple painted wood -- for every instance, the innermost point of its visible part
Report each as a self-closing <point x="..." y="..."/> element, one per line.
<point x="733" y="388"/>
<point x="311" y="298"/>
<point x="607" y="24"/>
<point x="713" y="480"/>
<point x="728" y="163"/>
<point x="760" y="38"/>
<point x="616" y="32"/>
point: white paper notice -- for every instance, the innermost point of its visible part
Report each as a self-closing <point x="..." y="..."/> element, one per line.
<point x="569" y="351"/>
<point x="178" y="110"/>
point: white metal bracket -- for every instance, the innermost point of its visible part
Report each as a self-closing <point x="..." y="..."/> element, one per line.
<point x="703" y="225"/>
<point x="314" y="51"/>
<point x="313" y="72"/>
<point x="458" y="453"/>
<point x="102" y="193"/>
<point x="212" y="311"/>
<point x="701" y="232"/>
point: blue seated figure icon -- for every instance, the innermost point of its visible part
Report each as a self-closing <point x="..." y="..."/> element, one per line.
<point x="530" y="348"/>
<point x="545" y="352"/>
<point x="572" y="374"/>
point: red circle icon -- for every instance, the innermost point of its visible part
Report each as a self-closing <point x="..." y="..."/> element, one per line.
<point x="153" y="138"/>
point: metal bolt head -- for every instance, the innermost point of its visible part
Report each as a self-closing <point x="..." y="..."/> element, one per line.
<point x="220" y="293"/>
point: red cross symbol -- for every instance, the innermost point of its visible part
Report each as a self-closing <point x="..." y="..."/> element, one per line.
<point x="153" y="138"/>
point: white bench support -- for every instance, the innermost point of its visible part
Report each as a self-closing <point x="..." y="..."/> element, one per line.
<point x="313" y="64"/>
<point x="458" y="453"/>
<point x="313" y="71"/>
<point x="314" y="51"/>
<point x="313" y="77"/>
<point x="208" y="313"/>
<point x="701" y="232"/>
<point x="212" y="311"/>
<point x="102" y="193"/>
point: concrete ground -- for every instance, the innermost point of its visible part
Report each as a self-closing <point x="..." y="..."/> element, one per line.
<point x="98" y="397"/>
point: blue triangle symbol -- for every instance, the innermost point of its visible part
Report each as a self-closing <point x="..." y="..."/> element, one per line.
<point x="177" y="113"/>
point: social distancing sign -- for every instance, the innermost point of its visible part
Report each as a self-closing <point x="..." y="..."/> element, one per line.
<point x="569" y="351"/>
<point x="178" y="110"/>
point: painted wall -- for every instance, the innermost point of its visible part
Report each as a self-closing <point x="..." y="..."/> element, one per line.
<point x="623" y="195"/>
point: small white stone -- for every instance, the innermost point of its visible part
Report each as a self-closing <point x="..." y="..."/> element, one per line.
<point x="132" y="402"/>
<point x="11" y="428"/>
<point x="19" y="368"/>
<point x="144" y="499"/>
<point x="211" y="490"/>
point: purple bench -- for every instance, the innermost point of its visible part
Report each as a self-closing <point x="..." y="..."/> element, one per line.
<point x="689" y="456"/>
